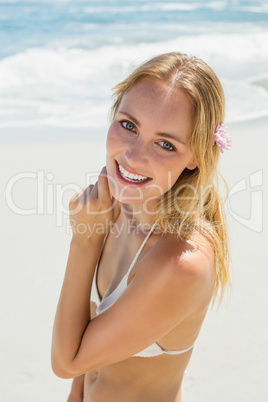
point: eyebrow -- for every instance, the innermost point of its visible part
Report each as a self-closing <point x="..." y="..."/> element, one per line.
<point x="166" y="135"/>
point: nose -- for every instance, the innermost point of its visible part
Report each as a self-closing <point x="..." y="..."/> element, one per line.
<point x="136" y="154"/>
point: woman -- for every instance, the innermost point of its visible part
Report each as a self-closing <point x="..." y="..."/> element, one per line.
<point x="149" y="236"/>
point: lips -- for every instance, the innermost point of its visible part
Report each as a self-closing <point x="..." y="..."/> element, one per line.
<point x="131" y="178"/>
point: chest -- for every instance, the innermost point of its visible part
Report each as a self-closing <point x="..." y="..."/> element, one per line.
<point x="114" y="263"/>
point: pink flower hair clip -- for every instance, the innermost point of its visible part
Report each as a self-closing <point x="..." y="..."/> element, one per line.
<point x="221" y="138"/>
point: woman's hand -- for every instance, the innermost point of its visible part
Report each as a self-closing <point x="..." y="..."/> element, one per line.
<point x="77" y="391"/>
<point x="73" y="398"/>
<point x="93" y="211"/>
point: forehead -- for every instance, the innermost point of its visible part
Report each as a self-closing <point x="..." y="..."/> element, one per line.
<point x="165" y="105"/>
<point x="157" y="92"/>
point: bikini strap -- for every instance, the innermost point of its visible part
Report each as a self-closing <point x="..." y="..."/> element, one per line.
<point x="140" y="249"/>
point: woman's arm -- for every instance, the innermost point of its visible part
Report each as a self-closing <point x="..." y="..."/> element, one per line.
<point x="93" y="206"/>
<point x="73" y="311"/>
<point x="77" y="390"/>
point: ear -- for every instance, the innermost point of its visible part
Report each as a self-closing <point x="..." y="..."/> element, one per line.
<point x="191" y="165"/>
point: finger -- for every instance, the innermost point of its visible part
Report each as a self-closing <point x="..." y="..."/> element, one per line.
<point x="103" y="186"/>
<point x="78" y="194"/>
<point x="74" y="201"/>
<point x="116" y="205"/>
<point x="94" y="192"/>
<point x="84" y="195"/>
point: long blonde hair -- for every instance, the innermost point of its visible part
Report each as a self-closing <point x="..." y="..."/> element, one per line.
<point x="193" y="204"/>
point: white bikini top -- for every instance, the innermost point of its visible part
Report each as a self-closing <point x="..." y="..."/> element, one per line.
<point x="105" y="303"/>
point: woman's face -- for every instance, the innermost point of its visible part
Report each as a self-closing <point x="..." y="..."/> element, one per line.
<point x="148" y="142"/>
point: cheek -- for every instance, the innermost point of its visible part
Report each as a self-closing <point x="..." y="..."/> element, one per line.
<point x="114" y="139"/>
<point x="109" y="141"/>
<point x="167" y="174"/>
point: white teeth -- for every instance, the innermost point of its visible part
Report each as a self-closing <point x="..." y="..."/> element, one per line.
<point x="130" y="176"/>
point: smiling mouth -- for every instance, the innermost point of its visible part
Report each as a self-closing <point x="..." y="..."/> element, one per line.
<point x="130" y="177"/>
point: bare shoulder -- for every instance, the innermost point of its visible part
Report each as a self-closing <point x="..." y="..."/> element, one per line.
<point x="193" y="257"/>
<point x="186" y="267"/>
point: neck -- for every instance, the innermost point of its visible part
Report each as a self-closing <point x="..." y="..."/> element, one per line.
<point x="138" y="218"/>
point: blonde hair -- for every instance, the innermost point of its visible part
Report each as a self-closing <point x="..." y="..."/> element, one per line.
<point x="193" y="204"/>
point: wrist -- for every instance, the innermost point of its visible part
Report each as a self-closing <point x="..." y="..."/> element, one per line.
<point x="77" y="389"/>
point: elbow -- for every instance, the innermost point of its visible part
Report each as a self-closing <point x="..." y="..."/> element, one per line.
<point x="61" y="371"/>
<point x="66" y="370"/>
<point x="60" y="366"/>
<point x="62" y="374"/>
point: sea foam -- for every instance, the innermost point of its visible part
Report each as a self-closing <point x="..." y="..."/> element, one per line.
<point x="71" y="87"/>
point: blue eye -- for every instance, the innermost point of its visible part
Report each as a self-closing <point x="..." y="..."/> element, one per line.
<point x="166" y="145"/>
<point x="128" y="125"/>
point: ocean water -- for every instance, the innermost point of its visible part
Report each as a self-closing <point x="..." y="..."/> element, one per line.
<point x="60" y="59"/>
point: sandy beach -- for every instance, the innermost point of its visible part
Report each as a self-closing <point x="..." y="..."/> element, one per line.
<point x="230" y="360"/>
